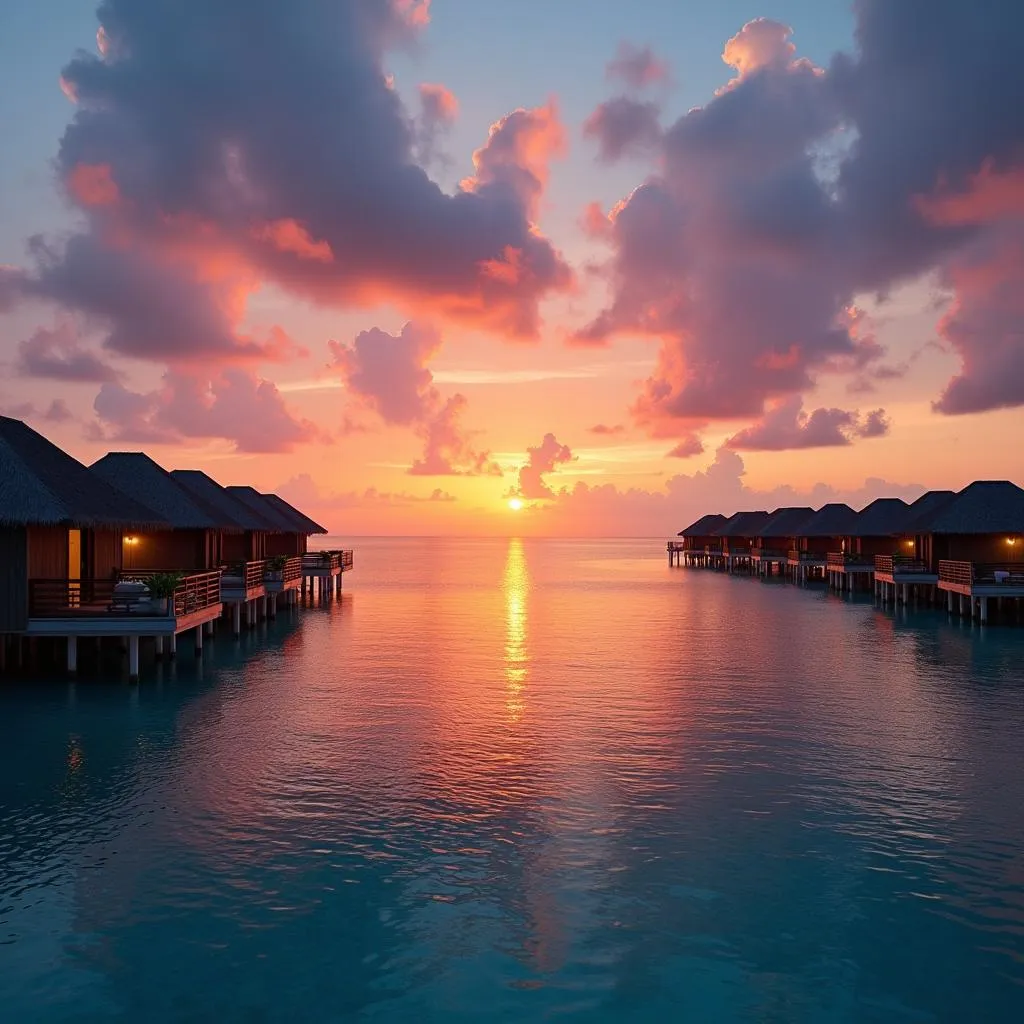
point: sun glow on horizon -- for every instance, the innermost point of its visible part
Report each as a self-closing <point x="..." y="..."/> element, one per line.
<point x="516" y="504"/>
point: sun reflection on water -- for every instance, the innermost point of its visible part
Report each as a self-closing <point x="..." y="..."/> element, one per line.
<point x="515" y="587"/>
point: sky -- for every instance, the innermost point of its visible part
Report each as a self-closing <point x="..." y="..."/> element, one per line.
<point x="586" y="268"/>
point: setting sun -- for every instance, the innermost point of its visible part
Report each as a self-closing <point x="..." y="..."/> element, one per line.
<point x="515" y="504"/>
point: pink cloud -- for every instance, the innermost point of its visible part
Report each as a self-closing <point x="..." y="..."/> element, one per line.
<point x="623" y="126"/>
<point x="786" y="426"/>
<point x="390" y="375"/>
<point x="687" y="448"/>
<point x="543" y="459"/>
<point x="637" y="66"/>
<point x="303" y="492"/>
<point x="58" y="354"/>
<point x="234" y="405"/>
<point x="604" y="430"/>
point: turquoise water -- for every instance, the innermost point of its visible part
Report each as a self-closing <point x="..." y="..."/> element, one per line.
<point x="517" y="781"/>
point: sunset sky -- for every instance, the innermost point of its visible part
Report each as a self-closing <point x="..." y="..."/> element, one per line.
<point x="408" y="261"/>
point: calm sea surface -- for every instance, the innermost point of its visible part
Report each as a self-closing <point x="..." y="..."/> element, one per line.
<point x="527" y="780"/>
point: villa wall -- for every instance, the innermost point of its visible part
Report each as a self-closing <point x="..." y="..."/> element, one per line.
<point x="286" y="544"/>
<point x="168" y="549"/>
<point x="14" y="579"/>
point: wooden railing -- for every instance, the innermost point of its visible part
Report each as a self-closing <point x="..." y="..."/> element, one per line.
<point x="894" y="565"/>
<point x="989" y="574"/>
<point x="767" y="553"/>
<point x="244" y="575"/>
<point x="49" y="599"/>
<point x="291" y="570"/>
<point x="321" y="560"/>
<point x="841" y="560"/>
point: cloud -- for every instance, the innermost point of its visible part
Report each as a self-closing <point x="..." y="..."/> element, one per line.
<point x="543" y="459"/>
<point x="390" y="375"/>
<point x="623" y="126"/>
<point x="607" y="511"/>
<point x="797" y="189"/>
<point x="786" y="426"/>
<point x="603" y="429"/>
<point x="761" y="43"/>
<point x="234" y="405"/>
<point x="303" y="492"/>
<point x="57" y="354"/>
<point x="56" y="412"/>
<point x="448" y="449"/>
<point x="637" y="66"/>
<point x="204" y="171"/>
<point x="438" y="110"/>
<point x="687" y="448"/>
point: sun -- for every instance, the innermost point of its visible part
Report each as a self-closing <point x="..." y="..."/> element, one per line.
<point x="515" y="504"/>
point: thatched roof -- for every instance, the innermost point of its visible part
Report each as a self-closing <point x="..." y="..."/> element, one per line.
<point x="986" y="506"/>
<point x="227" y="507"/>
<point x="924" y="508"/>
<point x="706" y="526"/>
<point x="303" y="524"/>
<point x="136" y="475"/>
<point x="884" y="517"/>
<point x="832" y="520"/>
<point x="785" y="522"/>
<point x="41" y="485"/>
<point x="743" y="524"/>
<point x="252" y="498"/>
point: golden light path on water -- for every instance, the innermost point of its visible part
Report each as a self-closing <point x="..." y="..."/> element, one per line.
<point x="516" y="585"/>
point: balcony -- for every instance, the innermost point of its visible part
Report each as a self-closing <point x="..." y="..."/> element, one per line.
<point x="995" y="579"/>
<point x="838" y="561"/>
<point x="124" y="604"/>
<point x="243" y="581"/>
<point x="283" y="574"/>
<point x="904" y="569"/>
<point x="327" y="563"/>
<point x="806" y="557"/>
<point x="763" y="553"/>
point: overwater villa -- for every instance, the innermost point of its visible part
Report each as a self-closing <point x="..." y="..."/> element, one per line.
<point x="965" y="548"/>
<point x="776" y="539"/>
<point x="697" y="541"/>
<point x="823" y="532"/>
<point x="127" y="550"/>
<point x="852" y="565"/>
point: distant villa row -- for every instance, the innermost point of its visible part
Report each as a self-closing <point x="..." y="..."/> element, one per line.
<point x="962" y="548"/>
<point x="126" y="551"/>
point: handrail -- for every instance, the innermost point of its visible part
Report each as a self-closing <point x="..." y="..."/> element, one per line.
<point x="339" y="559"/>
<point x="767" y="553"/>
<point x="290" y="570"/>
<point x="843" y="560"/>
<point x="247" y="574"/>
<point x="60" y="598"/>
<point x="989" y="574"/>
<point x="896" y="564"/>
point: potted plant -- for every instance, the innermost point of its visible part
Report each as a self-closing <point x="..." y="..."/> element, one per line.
<point x="275" y="567"/>
<point x="162" y="586"/>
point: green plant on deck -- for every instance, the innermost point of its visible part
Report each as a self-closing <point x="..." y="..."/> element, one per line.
<point x="276" y="563"/>
<point x="164" y="584"/>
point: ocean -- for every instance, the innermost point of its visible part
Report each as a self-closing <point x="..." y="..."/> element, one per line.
<point x="527" y="780"/>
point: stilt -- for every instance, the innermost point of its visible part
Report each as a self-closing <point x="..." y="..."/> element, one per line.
<point x="262" y="608"/>
<point x="72" y="655"/>
<point x="949" y="601"/>
<point x="272" y="605"/>
<point x="133" y="659"/>
<point x="236" y="618"/>
<point x="159" y="645"/>
<point x="208" y="627"/>
<point x="199" y="641"/>
<point x="984" y="609"/>
<point x="172" y="646"/>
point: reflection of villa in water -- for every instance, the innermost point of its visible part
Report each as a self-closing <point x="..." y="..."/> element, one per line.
<point x="963" y="550"/>
<point x="127" y="552"/>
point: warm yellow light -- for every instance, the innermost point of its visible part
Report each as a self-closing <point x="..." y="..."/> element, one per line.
<point x="515" y="504"/>
<point x="1011" y="541"/>
<point x="131" y="540"/>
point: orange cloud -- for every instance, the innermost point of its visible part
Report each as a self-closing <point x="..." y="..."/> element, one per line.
<point x="288" y="235"/>
<point x="93" y="185"/>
